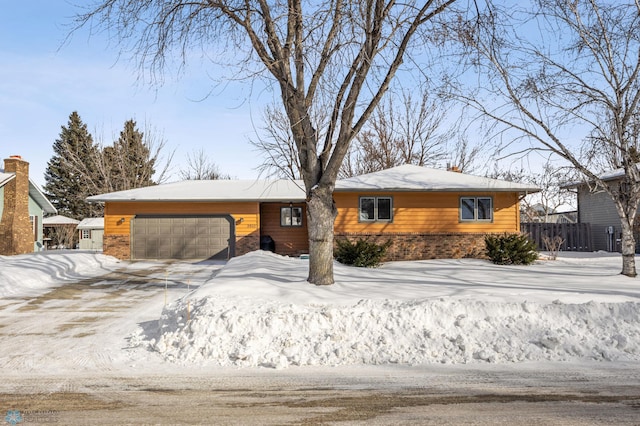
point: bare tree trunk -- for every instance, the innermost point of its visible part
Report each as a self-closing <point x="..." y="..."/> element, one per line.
<point x="628" y="243"/>
<point x="321" y="214"/>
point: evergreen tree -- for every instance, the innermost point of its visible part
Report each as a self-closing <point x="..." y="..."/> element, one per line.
<point x="67" y="171"/>
<point x="130" y="159"/>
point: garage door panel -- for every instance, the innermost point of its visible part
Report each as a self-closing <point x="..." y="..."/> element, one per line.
<point x="181" y="237"/>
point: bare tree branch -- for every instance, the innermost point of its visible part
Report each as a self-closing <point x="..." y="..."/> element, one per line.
<point x="551" y="85"/>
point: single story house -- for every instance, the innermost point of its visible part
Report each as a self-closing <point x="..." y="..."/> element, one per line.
<point x="59" y="232"/>
<point x="22" y="208"/>
<point x="596" y="207"/>
<point x="427" y="213"/>
<point x="90" y="233"/>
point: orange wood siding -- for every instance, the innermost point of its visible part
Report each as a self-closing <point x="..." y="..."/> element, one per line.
<point x="290" y="240"/>
<point x="427" y="212"/>
<point x="246" y="214"/>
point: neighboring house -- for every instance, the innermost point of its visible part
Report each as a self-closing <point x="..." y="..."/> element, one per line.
<point x="427" y="213"/>
<point x="563" y="217"/>
<point x="90" y="233"/>
<point x="538" y="213"/>
<point x="59" y="232"/>
<point x="596" y="207"/>
<point x="22" y="208"/>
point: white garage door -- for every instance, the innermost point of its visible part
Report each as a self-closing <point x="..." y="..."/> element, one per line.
<point x="182" y="237"/>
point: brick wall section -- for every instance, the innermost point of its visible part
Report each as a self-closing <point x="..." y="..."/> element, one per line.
<point x="427" y="246"/>
<point x="247" y="244"/>
<point x="118" y="246"/>
<point x="404" y="247"/>
<point x="16" y="231"/>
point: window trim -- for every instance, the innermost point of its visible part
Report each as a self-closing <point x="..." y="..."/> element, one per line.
<point x="475" y="208"/>
<point x="34" y="226"/>
<point x="376" y="216"/>
<point x="85" y="234"/>
<point x="291" y="208"/>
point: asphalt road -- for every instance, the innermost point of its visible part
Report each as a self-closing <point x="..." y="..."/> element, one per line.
<point x="378" y="396"/>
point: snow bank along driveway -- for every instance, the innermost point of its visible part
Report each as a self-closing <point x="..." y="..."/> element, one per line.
<point x="259" y="311"/>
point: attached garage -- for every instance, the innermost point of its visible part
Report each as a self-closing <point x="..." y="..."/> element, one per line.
<point x="194" y="219"/>
<point x="182" y="237"/>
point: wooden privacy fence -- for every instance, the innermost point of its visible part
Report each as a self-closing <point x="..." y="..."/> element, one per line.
<point x="575" y="236"/>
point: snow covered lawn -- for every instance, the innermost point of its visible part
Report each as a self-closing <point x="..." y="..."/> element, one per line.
<point x="259" y="311"/>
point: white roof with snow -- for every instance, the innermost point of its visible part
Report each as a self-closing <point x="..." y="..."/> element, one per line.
<point x="417" y="178"/>
<point x="212" y="190"/>
<point x="606" y="176"/>
<point x="59" y="220"/>
<point x="401" y="178"/>
<point x="92" y="223"/>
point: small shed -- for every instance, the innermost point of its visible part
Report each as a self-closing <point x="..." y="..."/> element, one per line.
<point x="59" y="232"/>
<point x="90" y="233"/>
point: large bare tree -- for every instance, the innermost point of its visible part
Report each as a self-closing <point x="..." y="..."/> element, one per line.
<point x="274" y="141"/>
<point x="405" y="128"/>
<point x="339" y="54"/>
<point x="410" y="128"/>
<point x="564" y="76"/>
<point x="200" y="167"/>
<point x="552" y="196"/>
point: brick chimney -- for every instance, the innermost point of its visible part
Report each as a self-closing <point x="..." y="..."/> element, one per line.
<point x="16" y="231"/>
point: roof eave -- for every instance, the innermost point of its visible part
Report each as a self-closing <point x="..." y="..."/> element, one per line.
<point x="377" y="189"/>
<point x="196" y="200"/>
<point x="39" y="197"/>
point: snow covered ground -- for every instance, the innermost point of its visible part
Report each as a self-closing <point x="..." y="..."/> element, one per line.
<point x="258" y="311"/>
<point x="34" y="273"/>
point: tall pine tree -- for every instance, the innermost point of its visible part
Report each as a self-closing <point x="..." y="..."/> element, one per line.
<point x="69" y="172"/>
<point x="130" y="159"/>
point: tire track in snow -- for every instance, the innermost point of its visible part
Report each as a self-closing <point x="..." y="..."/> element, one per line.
<point x="60" y="328"/>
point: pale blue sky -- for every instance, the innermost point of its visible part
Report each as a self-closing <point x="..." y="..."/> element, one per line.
<point x="43" y="79"/>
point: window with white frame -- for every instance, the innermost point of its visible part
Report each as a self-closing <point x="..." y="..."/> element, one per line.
<point x="476" y="209"/>
<point x="376" y="209"/>
<point x="291" y="216"/>
<point x="86" y="234"/>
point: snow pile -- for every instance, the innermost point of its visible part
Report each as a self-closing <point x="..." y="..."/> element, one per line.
<point x="373" y="332"/>
<point x="28" y="273"/>
<point x="268" y="319"/>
